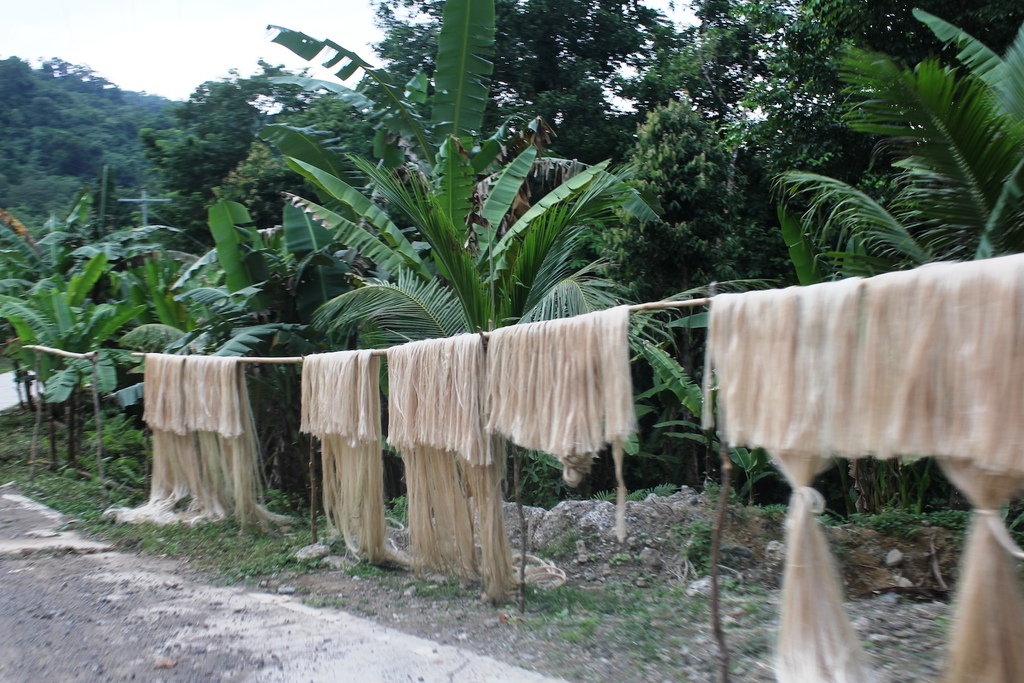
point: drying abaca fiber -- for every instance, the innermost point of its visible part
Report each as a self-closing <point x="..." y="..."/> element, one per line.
<point x="217" y="407"/>
<point x="453" y="468"/>
<point x="915" y="363"/>
<point x="178" y="474"/>
<point x="341" y="407"/>
<point x="779" y="337"/>
<point x="564" y="387"/>
<point x="204" y="442"/>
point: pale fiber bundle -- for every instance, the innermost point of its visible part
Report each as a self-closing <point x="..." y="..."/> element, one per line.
<point x="213" y="402"/>
<point x="204" y="442"/>
<point x="175" y="466"/>
<point x="241" y="457"/>
<point x="180" y="473"/>
<point x="341" y="406"/>
<point x="435" y="410"/>
<point x="564" y="387"/>
<point x="164" y="394"/>
<point x="925" y="359"/>
<point x="923" y="362"/>
<point x="341" y="395"/>
<point x="816" y="643"/>
<point x="441" y="534"/>
<point x="436" y="396"/>
<point x="989" y="626"/>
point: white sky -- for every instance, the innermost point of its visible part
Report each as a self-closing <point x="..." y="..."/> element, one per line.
<point x="168" y="47"/>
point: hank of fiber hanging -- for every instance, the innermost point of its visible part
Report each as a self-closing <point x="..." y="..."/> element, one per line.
<point x="912" y="363"/>
<point x="564" y="387"/>
<point x="217" y="407"/>
<point x="341" y="407"/>
<point x="453" y="467"/>
<point x="204" y="442"/>
<point x="178" y="475"/>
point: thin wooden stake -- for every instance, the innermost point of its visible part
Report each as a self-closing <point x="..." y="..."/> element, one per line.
<point x="716" y="546"/>
<point x="312" y="488"/>
<point x="99" y="427"/>
<point x="39" y="420"/>
<point x="53" y="442"/>
<point x="517" y="463"/>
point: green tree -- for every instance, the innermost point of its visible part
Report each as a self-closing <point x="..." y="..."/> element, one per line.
<point x="214" y="131"/>
<point x="562" y="60"/>
<point x="59" y="313"/>
<point x="62" y="124"/>
<point x="959" y="138"/>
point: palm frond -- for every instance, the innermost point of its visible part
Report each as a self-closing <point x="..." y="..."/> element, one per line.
<point x="959" y="147"/>
<point x="414" y="201"/>
<point x="838" y="211"/>
<point x="388" y="313"/>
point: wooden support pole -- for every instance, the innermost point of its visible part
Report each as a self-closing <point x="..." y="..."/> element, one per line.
<point x="61" y="352"/>
<point x="312" y="488"/>
<point x="39" y="419"/>
<point x="99" y="426"/>
<point x="517" y="466"/>
<point x="716" y="547"/>
<point x="662" y="305"/>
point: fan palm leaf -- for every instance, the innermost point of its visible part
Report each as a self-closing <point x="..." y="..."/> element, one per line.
<point x="389" y="313"/>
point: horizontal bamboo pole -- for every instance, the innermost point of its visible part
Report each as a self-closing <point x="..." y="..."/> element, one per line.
<point x="659" y="305"/>
<point x="649" y="306"/>
<point x="61" y="352"/>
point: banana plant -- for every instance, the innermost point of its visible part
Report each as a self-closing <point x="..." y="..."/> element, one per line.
<point x="59" y="313"/>
<point x="446" y="212"/>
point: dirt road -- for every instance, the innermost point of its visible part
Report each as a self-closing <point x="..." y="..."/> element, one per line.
<point x="73" y="610"/>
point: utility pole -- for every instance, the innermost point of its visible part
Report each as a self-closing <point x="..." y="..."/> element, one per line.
<point x="145" y="201"/>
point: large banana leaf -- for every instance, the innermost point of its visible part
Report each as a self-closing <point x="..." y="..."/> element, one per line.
<point x="362" y="206"/>
<point x="503" y="193"/>
<point x="453" y="181"/>
<point x="462" y="77"/>
<point x="394" y="111"/>
<point x="237" y="246"/>
<point x="319" y="277"/>
<point x="801" y="253"/>
<point x="152" y="338"/>
<point x="82" y="283"/>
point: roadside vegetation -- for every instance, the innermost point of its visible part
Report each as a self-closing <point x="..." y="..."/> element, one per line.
<point x="772" y="143"/>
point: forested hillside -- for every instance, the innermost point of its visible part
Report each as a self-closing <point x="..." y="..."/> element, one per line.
<point x="60" y="125"/>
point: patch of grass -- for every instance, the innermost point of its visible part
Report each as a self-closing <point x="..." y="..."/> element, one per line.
<point x="216" y="547"/>
<point x="562" y="546"/>
<point x="220" y="548"/>
<point x="905" y="524"/>
<point x="695" y="539"/>
<point x="332" y="601"/>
